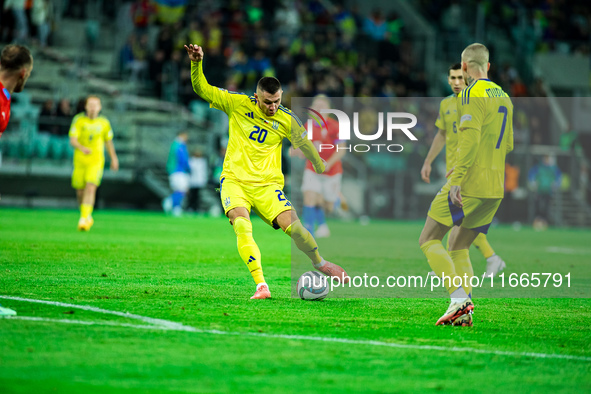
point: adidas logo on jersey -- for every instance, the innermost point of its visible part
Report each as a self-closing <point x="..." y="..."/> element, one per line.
<point x="251" y="259"/>
<point x="250" y="115"/>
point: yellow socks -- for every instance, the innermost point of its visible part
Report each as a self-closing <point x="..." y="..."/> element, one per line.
<point x="461" y="260"/>
<point x="440" y="262"/>
<point x="248" y="249"/>
<point x="482" y="244"/>
<point x="304" y="241"/>
<point x="85" y="210"/>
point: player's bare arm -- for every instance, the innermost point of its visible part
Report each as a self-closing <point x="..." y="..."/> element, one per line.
<point x="77" y="145"/>
<point x="113" y="155"/>
<point x="436" y="147"/>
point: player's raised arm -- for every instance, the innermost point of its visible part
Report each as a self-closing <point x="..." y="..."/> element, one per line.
<point x="217" y="97"/>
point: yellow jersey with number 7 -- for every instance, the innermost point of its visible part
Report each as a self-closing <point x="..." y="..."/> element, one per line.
<point x="485" y="131"/>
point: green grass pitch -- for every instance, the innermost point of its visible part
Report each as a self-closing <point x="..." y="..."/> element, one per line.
<point x="188" y="271"/>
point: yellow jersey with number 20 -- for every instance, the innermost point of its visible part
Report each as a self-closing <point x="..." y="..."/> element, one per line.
<point x="253" y="155"/>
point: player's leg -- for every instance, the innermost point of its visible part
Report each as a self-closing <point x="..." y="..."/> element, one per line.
<point x="437" y="257"/>
<point x="92" y="180"/>
<point x="88" y="200"/>
<point x="179" y="183"/>
<point x="79" y="195"/>
<point x="311" y="189"/>
<point x="290" y="223"/>
<point x="331" y="189"/>
<point x="441" y="218"/>
<point x="494" y="263"/>
<point x="311" y="218"/>
<point x="79" y="183"/>
<point x="237" y="206"/>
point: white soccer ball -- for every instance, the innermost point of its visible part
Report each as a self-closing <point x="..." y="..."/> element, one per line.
<point x="312" y="285"/>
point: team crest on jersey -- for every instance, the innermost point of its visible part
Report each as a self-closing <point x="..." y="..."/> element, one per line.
<point x="226" y="201"/>
<point x="274" y="124"/>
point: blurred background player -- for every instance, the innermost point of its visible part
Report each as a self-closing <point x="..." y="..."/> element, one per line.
<point x="89" y="133"/>
<point x="544" y="178"/>
<point x="16" y="64"/>
<point x="322" y="191"/>
<point x="178" y="171"/>
<point x="251" y="176"/>
<point x="447" y="136"/>
<point x="475" y="187"/>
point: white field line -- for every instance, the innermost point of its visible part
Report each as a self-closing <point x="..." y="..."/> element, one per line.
<point x="562" y="250"/>
<point x="165" y="325"/>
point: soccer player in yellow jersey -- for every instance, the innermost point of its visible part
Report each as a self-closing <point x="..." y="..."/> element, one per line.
<point x="448" y="135"/>
<point x="474" y="190"/>
<point x="251" y="176"/>
<point x="89" y="133"/>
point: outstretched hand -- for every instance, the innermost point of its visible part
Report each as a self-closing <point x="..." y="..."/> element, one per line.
<point x="426" y="173"/>
<point x="195" y="52"/>
<point x="455" y="196"/>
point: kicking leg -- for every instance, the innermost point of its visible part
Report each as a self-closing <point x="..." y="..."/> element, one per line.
<point x="443" y="265"/>
<point x="291" y="225"/>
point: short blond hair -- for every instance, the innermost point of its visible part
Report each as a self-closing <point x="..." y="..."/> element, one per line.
<point x="476" y="55"/>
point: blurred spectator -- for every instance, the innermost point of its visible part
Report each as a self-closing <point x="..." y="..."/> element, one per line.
<point x="47" y="118"/>
<point x="165" y="41"/>
<point x="42" y="17"/>
<point x="544" y="179"/>
<point x="287" y="20"/>
<point x="64" y="116"/>
<point x="80" y="106"/>
<point x="156" y="69"/>
<point x="20" y="18"/>
<point x="198" y="179"/>
<point x="375" y="26"/>
<point x="569" y="142"/>
<point x="142" y="13"/>
<point x="511" y="184"/>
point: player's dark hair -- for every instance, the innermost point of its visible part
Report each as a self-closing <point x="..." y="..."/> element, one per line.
<point x="456" y="66"/>
<point x="15" y="57"/>
<point x="269" y="84"/>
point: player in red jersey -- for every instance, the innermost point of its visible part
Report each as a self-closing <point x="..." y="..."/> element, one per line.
<point x="322" y="192"/>
<point x="16" y="64"/>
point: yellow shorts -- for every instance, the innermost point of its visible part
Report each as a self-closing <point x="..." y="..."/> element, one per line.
<point x="87" y="173"/>
<point x="477" y="213"/>
<point x="269" y="200"/>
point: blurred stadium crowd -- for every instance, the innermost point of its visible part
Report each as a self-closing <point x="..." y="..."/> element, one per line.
<point x="311" y="46"/>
